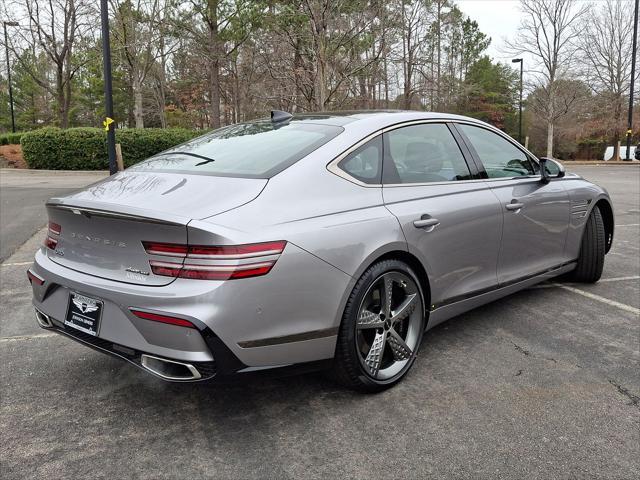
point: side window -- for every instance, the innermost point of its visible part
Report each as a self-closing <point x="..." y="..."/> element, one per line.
<point x="365" y="163"/>
<point x="500" y="157"/>
<point x="422" y="154"/>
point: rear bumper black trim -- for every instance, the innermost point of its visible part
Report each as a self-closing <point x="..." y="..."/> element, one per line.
<point x="297" y="337"/>
<point x="208" y="370"/>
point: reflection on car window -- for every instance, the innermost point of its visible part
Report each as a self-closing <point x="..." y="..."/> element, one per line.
<point x="365" y="162"/>
<point x="254" y="150"/>
<point x="500" y="157"/>
<point x="423" y="154"/>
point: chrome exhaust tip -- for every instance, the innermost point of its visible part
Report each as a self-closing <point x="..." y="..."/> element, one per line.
<point x="169" y="369"/>
<point x="43" y="319"/>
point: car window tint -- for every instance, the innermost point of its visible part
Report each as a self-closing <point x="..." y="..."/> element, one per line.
<point x="253" y="150"/>
<point x="423" y="154"/>
<point x="365" y="163"/>
<point x="500" y="157"/>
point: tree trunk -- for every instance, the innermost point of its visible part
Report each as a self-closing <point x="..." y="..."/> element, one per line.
<point x="137" y="102"/>
<point x="549" y="138"/>
<point x="214" y="66"/>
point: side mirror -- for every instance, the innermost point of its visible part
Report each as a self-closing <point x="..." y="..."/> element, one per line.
<point x="550" y="168"/>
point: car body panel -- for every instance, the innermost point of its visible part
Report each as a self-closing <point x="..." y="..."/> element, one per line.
<point x="460" y="253"/>
<point x="533" y="237"/>
<point x="172" y="195"/>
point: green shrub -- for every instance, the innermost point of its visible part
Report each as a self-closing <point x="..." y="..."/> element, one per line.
<point x="86" y="148"/>
<point x="10" y="138"/>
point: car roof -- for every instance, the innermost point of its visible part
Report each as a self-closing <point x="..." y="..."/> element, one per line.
<point x="380" y="118"/>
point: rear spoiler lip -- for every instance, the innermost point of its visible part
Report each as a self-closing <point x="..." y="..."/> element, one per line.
<point x="134" y="214"/>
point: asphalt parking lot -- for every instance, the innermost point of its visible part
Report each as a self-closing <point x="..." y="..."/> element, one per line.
<point x="543" y="384"/>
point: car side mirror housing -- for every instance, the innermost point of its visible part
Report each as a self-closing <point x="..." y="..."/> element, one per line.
<point x="550" y="168"/>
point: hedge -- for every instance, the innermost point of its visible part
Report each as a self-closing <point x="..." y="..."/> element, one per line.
<point x="10" y="138"/>
<point x="85" y="148"/>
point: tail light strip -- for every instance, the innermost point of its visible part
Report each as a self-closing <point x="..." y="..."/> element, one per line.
<point x="213" y="271"/>
<point x="223" y="252"/>
<point x="55" y="230"/>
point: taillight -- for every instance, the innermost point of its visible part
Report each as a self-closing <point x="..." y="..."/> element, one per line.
<point x="214" y="271"/>
<point x="156" y="317"/>
<point x="53" y="231"/>
<point x="35" y="278"/>
<point x="50" y="242"/>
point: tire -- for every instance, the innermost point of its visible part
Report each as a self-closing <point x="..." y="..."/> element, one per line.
<point x="592" y="250"/>
<point x="366" y="328"/>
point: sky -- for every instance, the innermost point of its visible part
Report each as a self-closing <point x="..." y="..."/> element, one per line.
<point x="498" y="19"/>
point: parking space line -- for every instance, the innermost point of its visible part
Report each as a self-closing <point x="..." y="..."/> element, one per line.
<point x="619" y="279"/>
<point x="602" y="280"/>
<point x="27" y="337"/>
<point x="18" y="264"/>
<point x="598" y="298"/>
<point x="629" y="225"/>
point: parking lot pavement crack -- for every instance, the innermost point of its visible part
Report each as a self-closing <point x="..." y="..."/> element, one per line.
<point x="17" y="338"/>
<point x="520" y="349"/>
<point x="634" y="399"/>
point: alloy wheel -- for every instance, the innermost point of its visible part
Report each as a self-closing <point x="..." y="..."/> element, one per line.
<point x="388" y="325"/>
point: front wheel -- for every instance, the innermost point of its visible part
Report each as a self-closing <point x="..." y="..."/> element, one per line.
<point x="381" y="328"/>
<point x="591" y="259"/>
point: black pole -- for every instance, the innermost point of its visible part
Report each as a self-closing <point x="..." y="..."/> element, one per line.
<point x="633" y="78"/>
<point x="6" y="44"/>
<point x="108" y="88"/>
<point x="520" y="61"/>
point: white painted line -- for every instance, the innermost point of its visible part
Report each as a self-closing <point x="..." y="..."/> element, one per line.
<point x="598" y="298"/>
<point x="629" y="225"/>
<point x="619" y="279"/>
<point x="602" y="280"/>
<point x="18" y="264"/>
<point x="27" y="337"/>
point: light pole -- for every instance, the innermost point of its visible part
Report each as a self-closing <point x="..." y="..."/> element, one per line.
<point x="6" y="44"/>
<point x="519" y="60"/>
<point x="634" y="49"/>
<point x="109" y="124"/>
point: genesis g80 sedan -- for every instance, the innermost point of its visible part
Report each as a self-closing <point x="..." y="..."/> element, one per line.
<point x="310" y="241"/>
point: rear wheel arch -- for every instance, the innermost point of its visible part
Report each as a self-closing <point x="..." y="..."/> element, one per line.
<point x="607" y="218"/>
<point x="415" y="264"/>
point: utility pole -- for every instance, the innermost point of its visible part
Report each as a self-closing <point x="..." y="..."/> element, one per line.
<point x="6" y="44"/>
<point x="519" y="60"/>
<point x="109" y="124"/>
<point x="634" y="49"/>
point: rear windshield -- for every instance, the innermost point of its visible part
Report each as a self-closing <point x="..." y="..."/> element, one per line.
<point x="252" y="150"/>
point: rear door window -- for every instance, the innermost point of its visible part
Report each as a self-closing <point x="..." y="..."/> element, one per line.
<point x="423" y="153"/>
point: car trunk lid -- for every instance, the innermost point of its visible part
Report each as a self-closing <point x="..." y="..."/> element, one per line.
<point x="99" y="230"/>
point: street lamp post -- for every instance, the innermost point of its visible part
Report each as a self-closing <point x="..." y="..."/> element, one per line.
<point x="109" y="124"/>
<point x="519" y="60"/>
<point x="6" y="44"/>
<point x="633" y="78"/>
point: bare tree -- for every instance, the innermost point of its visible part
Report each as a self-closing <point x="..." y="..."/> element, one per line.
<point x="54" y="27"/>
<point x="606" y="49"/>
<point x="548" y="33"/>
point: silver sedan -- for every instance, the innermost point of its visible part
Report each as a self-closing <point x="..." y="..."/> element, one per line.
<point x="311" y="241"/>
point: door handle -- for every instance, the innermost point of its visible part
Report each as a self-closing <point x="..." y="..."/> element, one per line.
<point x="514" y="206"/>
<point x="426" y="223"/>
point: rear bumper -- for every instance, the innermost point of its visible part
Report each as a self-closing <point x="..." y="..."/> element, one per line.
<point x="182" y="372"/>
<point x="289" y="316"/>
